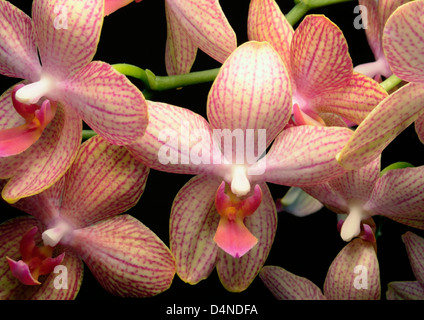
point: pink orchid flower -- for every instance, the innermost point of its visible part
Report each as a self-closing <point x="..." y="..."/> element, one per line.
<point x="376" y="14"/>
<point x="78" y="218"/>
<point x="410" y="290"/>
<point x="403" y="47"/>
<point x="321" y="71"/>
<point x="41" y="118"/>
<point x="353" y="275"/>
<point x="112" y="5"/>
<point x="193" y="24"/>
<point x="398" y="194"/>
<point x="228" y="205"/>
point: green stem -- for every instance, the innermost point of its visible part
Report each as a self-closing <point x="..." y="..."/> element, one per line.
<point x="87" y="134"/>
<point x="390" y="82"/>
<point x="322" y="3"/>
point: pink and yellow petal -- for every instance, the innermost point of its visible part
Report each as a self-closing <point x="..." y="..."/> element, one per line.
<point x="285" y="285"/>
<point x="18" y="50"/>
<point x="373" y="29"/>
<point x="419" y="128"/>
<point x="251" y="91"/>
<point x="405" y="290"/>
<point x="415" y="248"/>
<point x="67" y="33"/>
<point x="403" y="42"/>
<point x="113" y="5"/>
<point x="103" y="181"/>
<point x="193" y="224"/>
<point x="126" y="257"/>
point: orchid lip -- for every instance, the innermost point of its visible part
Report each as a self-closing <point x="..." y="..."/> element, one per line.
<point x="33" y="92"/>
<point x="240" y="184"/>
<point x="352" y="225"/>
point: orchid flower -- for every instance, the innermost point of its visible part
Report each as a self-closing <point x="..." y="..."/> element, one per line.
<point x="410" y="290"/>
<point x="112" y="5"/>
<point x="403" y="47"/>
<point x="361" y="194"/>
<point x="41" y="118"/>
<point x="353" y="275"/>
<point x="78" y="218"/>
<point x="321" y="71"/>
<point x="298" y="203"/>
<point x="376" y="14"/>
<point x="193" y="24"/>
<point x="225" y="215"/>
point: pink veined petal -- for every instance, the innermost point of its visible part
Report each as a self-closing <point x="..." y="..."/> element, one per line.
<point x="399" y="195"/>
<point x="177" y="140"/>
<point x="320" y="60"/>
<point x="305" y="155"/>
<point x="354" y="101"/>
<point x="385" y="10"/>
<point x="47" y="160"/>
<point x="103" y="181"/>
<point x="108" y="102"/>
<point x="373" y="30"/>
<point x="285" y="285"/>
<point x="67" y="33"/>
<point x="405" y="290"/>
<point x="388" y="119"/>
<point x="328" y="196"/>
<point x="419" y="128"/>
<point x="112" y="5"/>
<point x="11" y="289"/>
<point x="354" y="274"/>
<point x="415" y="249"/>
<point x="266" y="22"/>
<point x="126" y="257"/>
<point x="180" y="50"/>
<point x="18" y="51"/>
<point x="205" y="22"/>
<point x="236" y="274"/>
<point x="251" y="91"/>
<point x="193" y="224"/>
<point x="403" y="42"/>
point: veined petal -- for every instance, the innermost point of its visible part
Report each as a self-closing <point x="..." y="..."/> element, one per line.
<point x="11" y="289"/>
<point x="385" y="10"/>
<point x="320" y="60"/>
<point x="373" y="30"/>
<point x="47" y="160"/>
<point x="354" y="274"/>
<point x="403" y="42"/>
<point x="266" y="22"/>
<point x="126" y="257"/>
<point x="177" y="140"/>
<point x="205" y="22"/>
<point x="18" y="51"/>
<point x="419" y="128"/>
<point x="405" y="290"/>
<point x="305" y="155"/>
<point x="103" y="181"/>
<point x="251" y="91"/>
<point x="328" y="196"/>
<point x="399" y="195"/>
<point x="67" y="33"/>
<point x="180" y="50"/>
<point x="236" y="274"/>
<point x="285" y="285"/>
<point x="113" y="5"/>
<point x="415" y="249"/>
<point x="193" y="224"/>
<point x="354" y="101"/>
<point x="388" y="119"/>
<point x="108" y="102"/>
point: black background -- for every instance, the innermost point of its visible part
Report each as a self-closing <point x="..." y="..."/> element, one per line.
<point x="305" y="246"/>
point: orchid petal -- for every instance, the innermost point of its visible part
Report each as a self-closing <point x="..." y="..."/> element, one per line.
<point x="205" y="22"/>
<point x="112" y="5"/>
<point x="236" y="274"/>
<point x="405" y="290"/>
<point x="103" y="181"/>
<point x="354" y="101"/>
<point x="354" y="274"/>
<point x="403" y="42"/>
<point x="67" y="33"/>
<point x="18" y="51"/>
<point x="193" y="224"/>
<point x="126" y="257"/>
<point x="327" y="195"/>
<point x="388" y="119"/>
<point x="47" y="160"/>
<point x="415" y="249"/>
<point x="176" y="140"/>
<point x="108" y="102"/>
<point x="267" y="23"/>
<point x="285" y="285"/>
<point x="318" y="68"/>
<point x="298" y="203"/>
<point x="251" y="91"/>
<point x="180" y="50"/>
<point x="305" y="155"/>
<point x="373" y="28"/>
<point x="11" y="289"/>
<point x="419" y="128"/>
<point x="399" y="195"/>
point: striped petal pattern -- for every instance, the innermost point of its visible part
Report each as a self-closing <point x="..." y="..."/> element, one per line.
<point x="126" y="257"/>
<point x="415" y="249"/>
<point x="285" y="285"/>
<point x="405" y="290"/>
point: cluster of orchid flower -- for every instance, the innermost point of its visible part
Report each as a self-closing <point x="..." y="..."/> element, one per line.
<point x="326" y="124"/>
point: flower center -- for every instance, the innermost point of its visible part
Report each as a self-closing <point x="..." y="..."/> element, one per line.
<point x="31" y="93"/>
<point x="352" y="225"/>
<point x="240" y="184"/>
<point x="59" y="231"/>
